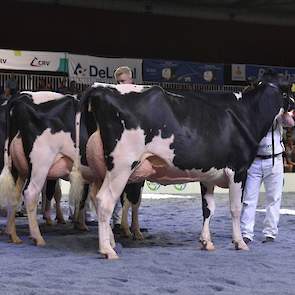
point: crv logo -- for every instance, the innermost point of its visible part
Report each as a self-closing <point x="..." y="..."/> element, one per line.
<point x="39" y="63"/>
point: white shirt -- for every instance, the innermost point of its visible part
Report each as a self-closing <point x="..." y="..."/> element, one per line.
<point x="265" y="145"/>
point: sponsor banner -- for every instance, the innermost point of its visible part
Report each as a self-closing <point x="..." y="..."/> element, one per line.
<point x="88" y="69"/>
<point x="238" y="72"/>
<point x="33" y="60"/>
<point x="242" y="72"/>
<point x="258" y="70"/>
<point x="182" y="72"/>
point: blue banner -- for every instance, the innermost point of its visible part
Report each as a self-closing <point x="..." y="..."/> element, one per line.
<point x="258" y="70"/>
<point x="182" y="72"/>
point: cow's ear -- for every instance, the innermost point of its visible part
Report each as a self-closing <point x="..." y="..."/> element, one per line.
<point x="251" y="80"/>
<point x="284" y="84"/>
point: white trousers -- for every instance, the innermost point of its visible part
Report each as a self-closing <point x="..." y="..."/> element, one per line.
<point x="262" y="170"/>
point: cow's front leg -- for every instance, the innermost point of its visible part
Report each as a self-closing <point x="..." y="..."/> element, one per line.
<point x="57" y="197"/>
<point x="135" y="228"/>
<point x="47" y="212"/>
<point x="107" y="197"/>
<point x="208" y="207"/>
<point x="235" y="199"/>
<point x="124" y="220"/>
<point x="47" y="194"/>
<point x="80" y="223"/>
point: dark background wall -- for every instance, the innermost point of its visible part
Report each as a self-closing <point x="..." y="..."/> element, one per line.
<point x="105" y="33"/>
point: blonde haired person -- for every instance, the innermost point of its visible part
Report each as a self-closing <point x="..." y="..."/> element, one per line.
<point x="123" y="75"/>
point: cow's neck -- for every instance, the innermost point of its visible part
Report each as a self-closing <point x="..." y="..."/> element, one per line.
<point x="262" y="113"/>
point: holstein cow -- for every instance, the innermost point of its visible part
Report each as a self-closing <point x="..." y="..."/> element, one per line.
<point x="51" y="189"/>
<point x="43" y="128"/>
<point x="42" y="133"/>
<point x="148" y="133"/>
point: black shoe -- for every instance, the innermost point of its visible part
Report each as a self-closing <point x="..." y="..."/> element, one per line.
<point x="91" y="223"/>
<point x="117" y="229"/>
<point x="247" y="240"/>
<point x="268" y="239"/>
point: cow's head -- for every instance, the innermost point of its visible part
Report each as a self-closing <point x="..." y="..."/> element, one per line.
<point x="279" y="82"/>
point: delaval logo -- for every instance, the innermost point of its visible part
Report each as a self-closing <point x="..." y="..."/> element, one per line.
<point x="3" y="60"/>
<point x="80" y="71"/>
<point x="39" y="63"/>
<point x="94" y="71"/>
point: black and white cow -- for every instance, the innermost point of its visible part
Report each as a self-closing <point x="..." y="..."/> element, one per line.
<point x="51" y="189"/>
<point x="148" y="133"/>
<point x="42" y="133"/>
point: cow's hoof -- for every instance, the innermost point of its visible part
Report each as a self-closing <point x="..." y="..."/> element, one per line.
<point x="127" y="234"/>
<point x="48" y="222"/>
<point x="81" y="227"/>
<point x="138" y="236"/>
<point x="60" y="221"/>
<point x="207" y="245"/>
<point x="39" y="242"/>
<point x="14" y="239"/>
<point x="110" y="256"/>
<point x="241" y="245"/>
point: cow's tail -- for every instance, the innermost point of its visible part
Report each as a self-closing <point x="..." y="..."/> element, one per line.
<point x="76" y="179"/>
<point x="8" y="190"/>
<point x="84" y="98"/>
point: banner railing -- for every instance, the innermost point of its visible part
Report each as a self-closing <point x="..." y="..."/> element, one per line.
<point x="32" y="82"/>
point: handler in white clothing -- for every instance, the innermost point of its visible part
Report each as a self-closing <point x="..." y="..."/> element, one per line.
<point x="267" y="168"/>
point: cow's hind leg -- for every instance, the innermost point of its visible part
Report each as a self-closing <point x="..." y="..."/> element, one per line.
<point x="94" y="187"/>
<point x="35" y="181"/>
<point x="208" y="207"/>
<point x="107" y="197"/>
<point x="11" y="210"/>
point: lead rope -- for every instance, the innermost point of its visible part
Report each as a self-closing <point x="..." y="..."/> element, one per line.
<point x="273" y="145"/>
